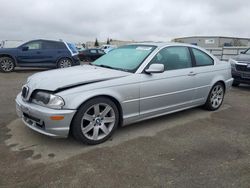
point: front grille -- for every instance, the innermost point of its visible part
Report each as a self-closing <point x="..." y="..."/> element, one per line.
<point x="25" y="92"/>
<point x="31" y="117"/>
<point x="243" y="68"/>
<point x="33" y="121"/>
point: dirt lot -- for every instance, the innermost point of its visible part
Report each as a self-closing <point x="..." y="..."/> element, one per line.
<point x="194" y="148"/>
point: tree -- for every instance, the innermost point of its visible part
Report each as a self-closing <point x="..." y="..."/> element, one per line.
<point x="96" y="43"/>
<point x="108" y="41"/>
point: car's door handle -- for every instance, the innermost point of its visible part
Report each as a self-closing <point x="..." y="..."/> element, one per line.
<point x="191" y="73"/>
<point x="38" y="52"/>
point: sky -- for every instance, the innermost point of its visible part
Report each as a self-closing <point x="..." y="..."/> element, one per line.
<point x="138" y="20"/>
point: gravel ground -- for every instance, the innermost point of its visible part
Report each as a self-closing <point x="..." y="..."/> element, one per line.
<point x="193" y="148"/>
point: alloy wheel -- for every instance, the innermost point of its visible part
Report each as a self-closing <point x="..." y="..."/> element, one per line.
<point x="7" y="65"/>
<point x="65" y="63"/>
<point x="217" y="96"/>
<point x="98" y="121"/>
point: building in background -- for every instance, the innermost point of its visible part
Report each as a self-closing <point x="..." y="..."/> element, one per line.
<point x="214" y="41"/>
<point x="91" y="44"/>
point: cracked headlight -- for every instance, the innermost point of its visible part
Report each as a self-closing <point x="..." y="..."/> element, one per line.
<point x="47" y="99"/>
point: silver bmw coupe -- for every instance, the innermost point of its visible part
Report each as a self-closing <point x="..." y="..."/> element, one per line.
<point x="129" y="84"/>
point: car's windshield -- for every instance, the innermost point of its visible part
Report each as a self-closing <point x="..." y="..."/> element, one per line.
<point x="126" y="58"/>
<point x="247" y="52"/>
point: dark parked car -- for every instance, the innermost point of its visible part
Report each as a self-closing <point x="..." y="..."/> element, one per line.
<point x="39" y="53"/>
<point x="241" y="68"/>
<point x="90" y="54"/>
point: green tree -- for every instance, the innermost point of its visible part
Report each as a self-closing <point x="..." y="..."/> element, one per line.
<point x="96" y="43"/>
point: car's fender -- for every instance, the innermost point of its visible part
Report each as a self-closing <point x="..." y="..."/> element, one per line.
<point x="11" y="55"/>
<point x="126" y="96"/>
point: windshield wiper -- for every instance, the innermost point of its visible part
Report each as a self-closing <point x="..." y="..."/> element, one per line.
<point x="109" y="67"/>
<point x="106" y="66"/>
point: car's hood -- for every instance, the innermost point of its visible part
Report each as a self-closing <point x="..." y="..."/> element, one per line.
<point x="242" y="57"/>
<point x="70" y="77"/>
<point x="3" y="50"/>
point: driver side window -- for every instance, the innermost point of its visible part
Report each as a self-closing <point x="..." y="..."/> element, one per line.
<point x="34" y="45"/>
<point x="173" y="58"/>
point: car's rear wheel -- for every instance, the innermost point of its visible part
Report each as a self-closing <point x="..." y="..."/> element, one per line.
<point x="7" y="64"/>
<point x="64" y="63"/>
<point x="215" y="97"/>
<point x="95" y="121"/>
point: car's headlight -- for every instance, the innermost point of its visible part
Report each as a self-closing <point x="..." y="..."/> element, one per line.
<point x="232" y="62"/>
<point x="48" y="100"/>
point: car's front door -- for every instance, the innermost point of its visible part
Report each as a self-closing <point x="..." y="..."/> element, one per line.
<point x="171" y="90"/>
<point x="30" y="54"/>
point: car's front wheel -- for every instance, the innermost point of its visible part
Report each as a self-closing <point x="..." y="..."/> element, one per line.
<point x="95" y="121"/>
<point x="88" y="59"/>
<point x="215" y="97"/>
<point x="7" y="64"/>
<point x="64" y="63"/>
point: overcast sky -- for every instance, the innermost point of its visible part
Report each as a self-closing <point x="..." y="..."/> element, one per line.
<point x="139" y="20"/>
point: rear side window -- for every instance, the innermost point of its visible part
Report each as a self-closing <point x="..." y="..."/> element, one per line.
<point x="201" y="58"/>
<point x="53" y="45"/>
<point x="93" y="51"/>
<point x="72" y="48"/>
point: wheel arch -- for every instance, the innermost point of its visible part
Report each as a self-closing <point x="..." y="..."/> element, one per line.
<point x="215" y="81"/>
<point x="113" y="99"/>
<point x="207" y="105"/>
<point x="223" y="83"/>
<point x="219" y="81"/>
<point x="63" y="57"/>
<point x="10" y="56"/>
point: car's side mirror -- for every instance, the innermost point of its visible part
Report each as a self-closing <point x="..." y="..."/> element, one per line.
<point x="155" y="68"/>
<point x="242" y="52"/>
<point x="25" y="48"/>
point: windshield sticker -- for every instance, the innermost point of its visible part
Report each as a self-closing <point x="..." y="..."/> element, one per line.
<point x="143" y="48"/>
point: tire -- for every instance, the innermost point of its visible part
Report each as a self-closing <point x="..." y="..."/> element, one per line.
<point x="7" y="64"/>
<point x="215" y="97"/>
<point x="235" y="84"/>
<point x="95" y="121"/>
<point x="87" y="59"/>
<point x="64" y="63"/>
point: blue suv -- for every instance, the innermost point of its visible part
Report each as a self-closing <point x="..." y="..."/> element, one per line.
<point x="39" y="53"/>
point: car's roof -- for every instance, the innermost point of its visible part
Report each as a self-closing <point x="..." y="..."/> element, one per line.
<point x="162" y="44"/>
<point x="44" y="40"/>
<point x="94" y="49"/>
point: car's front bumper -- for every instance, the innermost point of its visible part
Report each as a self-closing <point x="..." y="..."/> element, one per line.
<point x="76" y="60"/>
<point x="241" y="77"/>
<point x="39" y="119"/>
